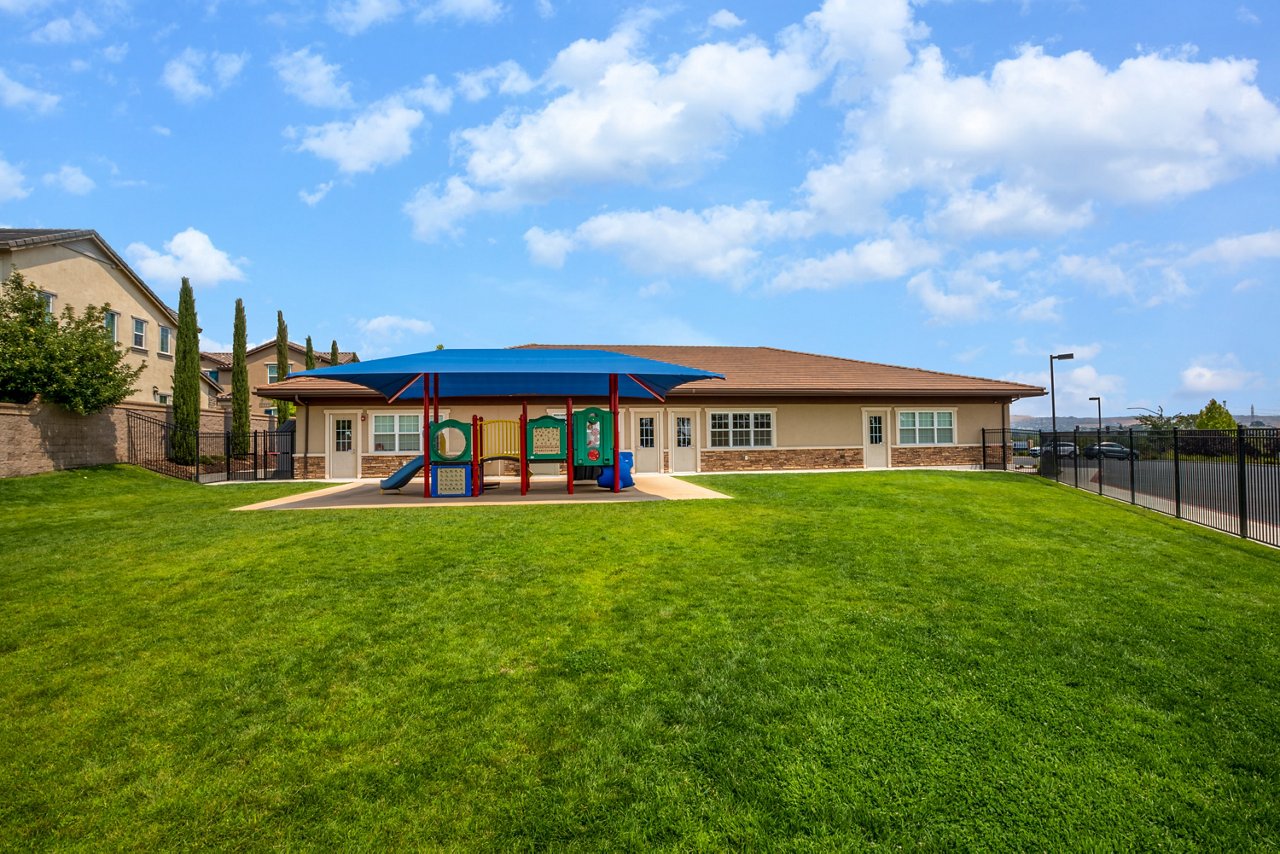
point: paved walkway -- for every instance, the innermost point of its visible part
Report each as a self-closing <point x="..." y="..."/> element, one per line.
<point x="365" y="495"/>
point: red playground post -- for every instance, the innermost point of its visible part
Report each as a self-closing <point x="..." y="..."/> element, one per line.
<point x="426" y="438"/>
<point x="524" y="448"/>
<point x="568" y="434"/>
<point x="617" y="452"/>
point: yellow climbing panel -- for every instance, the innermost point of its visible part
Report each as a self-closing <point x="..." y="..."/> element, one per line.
<point x="501" y="439"/>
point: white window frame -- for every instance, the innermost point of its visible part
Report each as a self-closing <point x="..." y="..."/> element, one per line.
<point x="111" y="322"/>
<point x="270" y="411"/>
<point x="134" y="333"/>
<point x="50" y="300"/>
<point x="373" y="413"/>
<point x="773" y="429"/>
<point x="160" y="349"/>
<point x="934" y="411"/>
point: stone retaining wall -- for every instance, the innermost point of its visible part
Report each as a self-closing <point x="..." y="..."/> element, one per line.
<point x="781" y="459"/>
<point x="937" y="455"/>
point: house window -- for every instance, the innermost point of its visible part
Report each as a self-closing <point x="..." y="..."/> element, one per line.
<point x="111" y="320"/>
<point x="742" y="429"/>
<point x="139" y="334"/>
<point x="646" y="432"/>
<point x="164" y="399"/>
<point x="273" y="371"/>
<point x="212" y="374"/>
<point x="166" y="341"/>
<point x="394" y="434"/>
<point x="926" y="428"/>
<point x="684" y="431"/>
<point x="270" y="412"/>
<point x="47" y="298"/>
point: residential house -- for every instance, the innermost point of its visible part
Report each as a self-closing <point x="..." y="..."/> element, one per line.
<point x="261" y="364"/>
<point x="774" y="410"/>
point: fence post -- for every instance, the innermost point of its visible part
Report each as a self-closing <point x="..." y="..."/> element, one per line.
<point x="254" y="462"/>
<point x="197" y="443"/>
<point x="1075" y="456"/>
<point x="226" y="451"/>
<point x="984" y="448"/>
<point x="1242" y="481"/>
<point x="1100" y="459"/>
<point x="1177" y="478"/>
<point x="1133" y="487"/>
<point x="1004" y="448"/>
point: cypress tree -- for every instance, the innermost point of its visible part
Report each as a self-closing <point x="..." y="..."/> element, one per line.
<point x="311" y="355"/>
<point x="186" y="379"/>
<point x="333" y="352"/>
<point x="239" y="385"/>
<point x="283" y="409"/>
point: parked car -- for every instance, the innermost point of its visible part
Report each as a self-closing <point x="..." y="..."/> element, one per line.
<point x="1111" y="450"/>
<point x="1035" y="452"/>
<point x="1061" y="449"/>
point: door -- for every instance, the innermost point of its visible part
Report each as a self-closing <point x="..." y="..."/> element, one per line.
<point x="875" y="451"/>
<point x="684" y="451"/>
<point x="648" y="444"/>
<point x="344" y="461"/>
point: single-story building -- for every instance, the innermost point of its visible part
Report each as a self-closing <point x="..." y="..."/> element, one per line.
<point x="774" y="410"/>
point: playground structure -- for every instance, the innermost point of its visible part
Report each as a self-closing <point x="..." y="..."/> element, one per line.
<point x="588" y="437"/>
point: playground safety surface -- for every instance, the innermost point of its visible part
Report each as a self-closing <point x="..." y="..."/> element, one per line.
<point x="366" y="495"/>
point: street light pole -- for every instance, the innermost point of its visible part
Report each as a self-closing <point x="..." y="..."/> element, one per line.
<point x="1053" y="395"/>
<point x="1099" y="413"/>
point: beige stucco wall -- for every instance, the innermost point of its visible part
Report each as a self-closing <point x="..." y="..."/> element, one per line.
<point x="79" y="274"/>
<point x="822" y="426"/>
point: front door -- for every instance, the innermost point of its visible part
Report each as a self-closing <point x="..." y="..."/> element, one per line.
<point x="684" y="452"/>
<point x="875" y="452"/>
<point x="343" y="459"/>
<point x="648" y="443"/>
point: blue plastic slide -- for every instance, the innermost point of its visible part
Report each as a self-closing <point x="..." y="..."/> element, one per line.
<point x="403" y="476"/>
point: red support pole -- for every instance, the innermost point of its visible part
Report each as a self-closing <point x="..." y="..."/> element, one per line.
<point x="478" y="441"/>
<point x="437" y="395"/>
<point x="617" y="452"/>
<point x="475" y="453"/>
<point x="426" y="437"/>
<point x="568" y="433"/>
<point x="524" y="448"/>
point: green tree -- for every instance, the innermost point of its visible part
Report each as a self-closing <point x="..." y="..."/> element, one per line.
<point x="239" y="385"/>
<point x="354" y="358"/>
<point x="1215" y="416"/>
<point x="284" y="410"/>
<point x="311" y="355"/>
<point x="69" y="360"/>
<point x="1162" y="422"/>
<point x="333" y="352"/>
<point x="186" y="379"/>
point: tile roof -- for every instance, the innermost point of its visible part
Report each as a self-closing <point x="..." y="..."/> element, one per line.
<point x="771" y="371"/>
<point x="223" y="358"/>
<point x="763" y="371"/>
<point x="25" y="238"/>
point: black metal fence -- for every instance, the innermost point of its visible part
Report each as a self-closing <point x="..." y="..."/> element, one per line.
<point x="209" y="457"/>
<point x="1224" y="479"/>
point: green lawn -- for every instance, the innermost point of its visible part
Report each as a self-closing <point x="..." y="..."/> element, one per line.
<point x="900" y="659"/>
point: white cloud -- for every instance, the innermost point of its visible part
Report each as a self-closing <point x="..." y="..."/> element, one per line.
<point x="431" y="94"/>
<point x="18" y="7"/>
<point x="879" y="259"/>
<point x="16" y="95"/>
<point x="1215" y="374"/>
<point x="1003" y="210"/>
<point x="548" y="248"/>
<point x="190" y="253"/>
<point x="115" y="53"/>
<point x="620" y="117"/>
<point x="545" y="9"/>
<point x="70" y="179"/>
<point x="654" y="289"/>
<point x="311" y="80"/>
<point x="966" y="296"/>
<point x="1043" y="310"/>
<point x="12" y="182"/>
<point x="463" y="11"/>
<point x="1245" y="15"/>
<point x="79" y="27"/>
<point x="390" y="324"/>
<point x="724" y="20"/>
<point x="356" y="16"/>
<point x="161" y="130"/>
<point x="1096" y="271"/>
<point x="1263" y="245"/>
<point x="195" y="74"/>
<point x="314" y="197"/>
<point x="210" y="345"/>
<point x="1073" y="388"/>
<point x="379" y="136"/>
<point x="507" y="78"/>
<point x="866" y="41"/>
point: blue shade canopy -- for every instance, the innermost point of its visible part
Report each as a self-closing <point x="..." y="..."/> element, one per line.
<point x="515" y="373"/>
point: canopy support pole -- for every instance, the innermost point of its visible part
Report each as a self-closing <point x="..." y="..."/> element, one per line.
<point x="617" y="452"/>
<point x="524" y="447"/>
<point x="568" y="434"/>
<point x="426" y="437"/>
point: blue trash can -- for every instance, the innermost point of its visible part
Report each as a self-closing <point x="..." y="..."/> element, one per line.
<point x="626" y="460"/>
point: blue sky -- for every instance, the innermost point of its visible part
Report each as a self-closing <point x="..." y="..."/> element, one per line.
<point x="963" y="186"/>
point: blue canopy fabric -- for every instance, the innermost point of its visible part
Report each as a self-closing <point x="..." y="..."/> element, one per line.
<point x="515" y="373"/>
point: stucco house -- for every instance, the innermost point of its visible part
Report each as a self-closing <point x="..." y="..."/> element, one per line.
<point x="260" y="364"/>
<point x="77" y="268"/>
<point x="774" y="410"/>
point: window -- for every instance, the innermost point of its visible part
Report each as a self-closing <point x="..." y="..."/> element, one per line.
<point x="926" y="428"/>
<point x="47" y="298"/>
<point x="646" y="432"/>
<point x="742" y="429"/>
<point x="875" y="429"/>
<point x="139" y="334"/>
<point x="684" y="431"/>
<point x="342" y="434"/>
<point x="164" y="399"/>
<point x="166" y="340"/>
<point x="397" y="433"/>
<point x="273" y="371"/>
<point x="270" y="412"/>
<point x="212" y="374"/>
<point x="111" y="320"/>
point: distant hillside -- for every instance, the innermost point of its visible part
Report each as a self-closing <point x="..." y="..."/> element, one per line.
<point x="1122" y="422"/>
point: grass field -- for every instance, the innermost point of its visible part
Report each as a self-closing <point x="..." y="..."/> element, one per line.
<point x="923" y="659"/>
